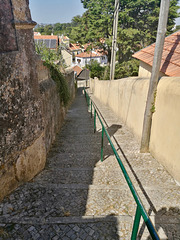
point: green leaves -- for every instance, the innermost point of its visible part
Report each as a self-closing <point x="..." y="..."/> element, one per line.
<point x="49" y="56"/>
<point x="95" y="70"/>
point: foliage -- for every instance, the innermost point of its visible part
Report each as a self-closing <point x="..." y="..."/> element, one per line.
<point x="59" y="28"/>
<point x="95" y="69"/>
<point x="62" y="85"/>
<point x="122" y="70"/>
<point x="137" y="24"/>
<point x="137" y="28"/>
<point x="49" y="56"/>
<point x="128" y="43"/>
<point x="99" y="18"/>
<point x="46" y="54"/>
<point x="177" y="28"/>
<point x="127" y="69"/>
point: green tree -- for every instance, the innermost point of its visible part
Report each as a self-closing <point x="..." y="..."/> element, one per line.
<point x="95" y="69"/>
<point x="76" y="21"/>
<point x="57" y="29"/>
<point x="48" y="29"/>
<point x="39" y="28"/>
<point x="100" y="18"/>
<point x="137" y="25"/>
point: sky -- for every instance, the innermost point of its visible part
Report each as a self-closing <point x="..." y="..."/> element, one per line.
<point x="53" y="11"/>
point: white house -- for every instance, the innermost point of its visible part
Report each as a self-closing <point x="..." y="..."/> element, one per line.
<point x="86" y="57"/>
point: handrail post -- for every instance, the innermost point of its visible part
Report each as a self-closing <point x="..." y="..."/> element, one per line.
<point x="102" y="143"/>
<point x="136" y="223"/>
<point x="140" y="210"/>
<point x="94" y="120"/>
<point x="88" y="102"/>
<point x="91" y="108"/>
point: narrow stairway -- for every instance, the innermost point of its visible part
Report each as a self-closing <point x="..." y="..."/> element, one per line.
<point x="79" y="197"/>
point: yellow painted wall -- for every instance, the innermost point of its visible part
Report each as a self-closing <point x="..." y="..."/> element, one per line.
<point x="67" y="57"/>
<point x="127" y="98"/>
<point x="145" y="70"/>
<point x="165" y="132"/>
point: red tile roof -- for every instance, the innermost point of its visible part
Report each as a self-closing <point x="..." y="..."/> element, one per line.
<point x="74" y="46"/>
<point x="101" y="52"/>
<point x="170" y="63"/>
<point x="46" y="37"/>
<point x="87" y="55"/>
<point x="63" y="38"/>
<point x="77" y="69"/>
<point x="37" y="34"/>
<point x="86" y="45"/>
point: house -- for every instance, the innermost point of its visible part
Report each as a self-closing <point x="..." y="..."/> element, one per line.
<point x="86" y="57"/>
<point x="81" y="76"/>
<point x="64" y="40"/>
<point x="77" y="70"/>
<point x="50" y="41"/>
<point x="37" y="34"/>
<point x="86" y="45"/>
<point x="170" y="63"/>
<point x="67" y="56"/>
<point x="75" y="49"/>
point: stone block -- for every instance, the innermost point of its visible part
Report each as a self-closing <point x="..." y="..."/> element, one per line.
<point x="31" y="161"/>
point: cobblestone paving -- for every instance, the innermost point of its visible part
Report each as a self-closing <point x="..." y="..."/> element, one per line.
<point x="79" y="197"/>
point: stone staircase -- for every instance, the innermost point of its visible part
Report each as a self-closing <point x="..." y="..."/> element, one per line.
<point x="79" y="197"/>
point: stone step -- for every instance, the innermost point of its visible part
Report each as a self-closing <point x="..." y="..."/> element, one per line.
<point x="60" y="200"/>
<point x="82" y="176"/>
<point x="107" y="172"/>
<point x="80" y="149"/>
<point x="85" y="228"/>
<point x="77" y="228"/>
<point x="68" y="160"/>
<point x="54" y="200"/>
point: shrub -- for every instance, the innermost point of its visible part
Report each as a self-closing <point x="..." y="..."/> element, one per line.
<point x="49" y="56"/>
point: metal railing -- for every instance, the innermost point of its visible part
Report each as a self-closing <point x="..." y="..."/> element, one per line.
<point x="140" y="210"/>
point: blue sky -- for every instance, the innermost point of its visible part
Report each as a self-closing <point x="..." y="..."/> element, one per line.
<point x="53" y="11"/>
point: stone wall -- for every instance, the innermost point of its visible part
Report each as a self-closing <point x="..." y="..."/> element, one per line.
<point x="31" y="112"/>
<point x="127" y="98"/>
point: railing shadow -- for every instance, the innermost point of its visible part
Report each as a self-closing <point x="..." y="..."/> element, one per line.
<point x="152" y="207"/>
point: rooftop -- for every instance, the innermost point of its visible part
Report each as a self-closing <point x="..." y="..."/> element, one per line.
<point x="50" y="41"/>
<point x="74" y="46"/>
<point x="46" y="37"/>
<point x="95" y="53"/>
<point x="170" y="63"/>
<point x="77" y="69"/>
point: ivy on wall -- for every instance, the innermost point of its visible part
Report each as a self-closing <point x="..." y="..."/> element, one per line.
<point x="49" y="57"/>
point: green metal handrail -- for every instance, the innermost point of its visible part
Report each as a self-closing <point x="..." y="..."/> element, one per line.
<point x="140" y="210"/>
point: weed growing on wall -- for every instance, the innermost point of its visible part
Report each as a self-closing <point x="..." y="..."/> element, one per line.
<point x="62" y="85"/>
<point x="49" y="57"/>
